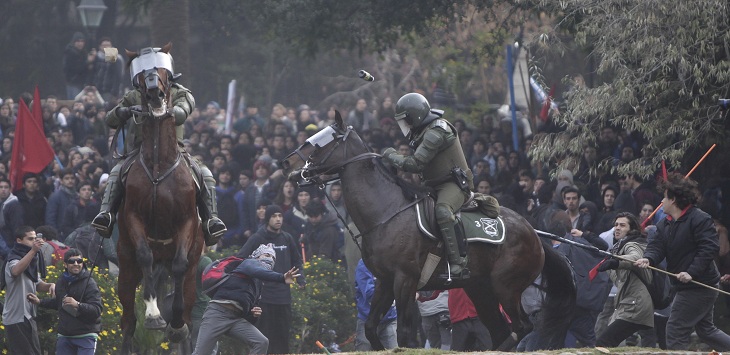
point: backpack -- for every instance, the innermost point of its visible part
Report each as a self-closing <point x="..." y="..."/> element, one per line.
<point x="59" y="250"/>
<point x="217" y="273"/>
<point x="659" y="289"/>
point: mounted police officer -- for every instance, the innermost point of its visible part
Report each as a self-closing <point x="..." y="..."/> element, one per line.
<point x="182" y="105"/>
<point x="439" y="159"/>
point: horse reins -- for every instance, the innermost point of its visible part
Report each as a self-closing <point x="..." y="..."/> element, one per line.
<point x="329" y="170"/>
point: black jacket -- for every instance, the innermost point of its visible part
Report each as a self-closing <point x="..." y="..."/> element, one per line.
<point x="89" y="318"/>
<point x="245" y="284"/>
<point x="34" y="209"/>
<point x="322" y="239"/>
<point x="689" y="244"/>
<point x="287" y="256"/>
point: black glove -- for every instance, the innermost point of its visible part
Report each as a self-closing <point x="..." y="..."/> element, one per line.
<point x="125" y="113"/>
<point x="610" y="264"/>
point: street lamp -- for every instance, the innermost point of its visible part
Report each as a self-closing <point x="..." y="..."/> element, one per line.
<point x="91" y="12"/>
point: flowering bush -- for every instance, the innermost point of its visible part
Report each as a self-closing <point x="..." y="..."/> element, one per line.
<point x="324" y="310"/>
<point x="110" y="338"/>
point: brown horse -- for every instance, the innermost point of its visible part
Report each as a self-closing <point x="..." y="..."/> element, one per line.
<point x="395" y="251"/>
<point x="158" y="220"/>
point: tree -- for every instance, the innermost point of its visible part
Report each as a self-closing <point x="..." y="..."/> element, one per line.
<point x="661" y="67"/>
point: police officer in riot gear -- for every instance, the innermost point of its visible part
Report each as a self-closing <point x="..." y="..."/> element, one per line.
<point x="439" y="159"/>
<point x="182" y="105"/>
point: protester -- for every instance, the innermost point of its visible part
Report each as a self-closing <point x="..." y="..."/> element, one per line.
<point x="79" y="305"/>
<point x="364" y="290"/>
<point x="24" y="272"/>
<point x="435" y="319"/>
<point x="634" y="309"/>
<point x="233" y="309"/>
<point x="688" y="240"/>
<point x="275" y="322"/>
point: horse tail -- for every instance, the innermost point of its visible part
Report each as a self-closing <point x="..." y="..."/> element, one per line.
<point x="560" y="298"/>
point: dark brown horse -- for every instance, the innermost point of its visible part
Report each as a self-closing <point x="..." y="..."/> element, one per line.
<point x="395" y="251"/>
<point x="158" y="220"/>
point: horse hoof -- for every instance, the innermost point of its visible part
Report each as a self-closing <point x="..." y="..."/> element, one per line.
<point x="156" y="323"/>
<point x="176" y="335"/>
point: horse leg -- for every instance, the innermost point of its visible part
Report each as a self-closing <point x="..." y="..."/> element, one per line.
<point x="130" y="276"/>
<point x="379" y="306"/>
<point x="405" y="295"/>
<point x="145" y="261"/>
<point x="177" y="330"/>
<point x="487" y="307"/>
<point x="509" y="294"/>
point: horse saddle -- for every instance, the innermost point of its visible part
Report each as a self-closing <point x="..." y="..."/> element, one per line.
<point x="191" y="163"/>
<point x="473" y="218"/>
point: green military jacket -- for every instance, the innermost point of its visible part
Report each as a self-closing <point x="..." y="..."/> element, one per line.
<point x="438" y="151"/>
<point x="181" y="97"/>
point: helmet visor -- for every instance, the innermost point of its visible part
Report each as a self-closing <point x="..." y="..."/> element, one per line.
<point x="404" y="127"/>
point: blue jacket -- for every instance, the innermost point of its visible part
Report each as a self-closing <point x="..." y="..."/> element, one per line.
<point x="245" y="284"/>
<point x="59" y="201"/>
<point x="364" y="290"/>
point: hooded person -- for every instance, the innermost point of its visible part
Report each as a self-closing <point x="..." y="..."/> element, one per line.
<point x="322" y="235"/>
<point x="275" y="321"/>
<point x="234" y="307"/>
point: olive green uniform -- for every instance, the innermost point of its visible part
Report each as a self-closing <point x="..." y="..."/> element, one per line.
<point x="183" y="104"/>
<point x="438" y="151"/>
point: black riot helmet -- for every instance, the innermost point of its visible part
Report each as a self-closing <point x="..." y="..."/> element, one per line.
<point x="410" y="111"/>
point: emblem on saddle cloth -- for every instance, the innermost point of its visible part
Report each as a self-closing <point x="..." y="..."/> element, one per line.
<point x="479" y="228"/>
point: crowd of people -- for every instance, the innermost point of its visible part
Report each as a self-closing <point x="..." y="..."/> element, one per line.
<point x="259" y="206"/>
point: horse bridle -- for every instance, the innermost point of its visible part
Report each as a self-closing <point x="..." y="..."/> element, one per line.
<point x="311" y="172"/>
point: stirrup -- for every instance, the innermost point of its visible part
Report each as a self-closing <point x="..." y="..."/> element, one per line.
<point x="104" y="224"/>
<point x="213" y="229"/>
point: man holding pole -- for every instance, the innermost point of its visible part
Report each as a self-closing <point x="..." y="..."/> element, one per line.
<point x="688" y="240"/>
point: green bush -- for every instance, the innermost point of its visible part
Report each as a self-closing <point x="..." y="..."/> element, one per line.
<point x="110" y="338"/>
<point x="325" y="305"/>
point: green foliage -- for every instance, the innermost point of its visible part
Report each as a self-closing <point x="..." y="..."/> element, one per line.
<point x="325" y="304"/>
<point x="661" y="67"/>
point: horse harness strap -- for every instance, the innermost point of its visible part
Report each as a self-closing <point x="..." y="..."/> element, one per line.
<point x="413" y="203"/>
<point x="167" y="172"/>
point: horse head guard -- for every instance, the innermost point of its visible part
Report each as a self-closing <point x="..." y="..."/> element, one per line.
<point x="151" y="71"/>
<point x="319" y="155"/>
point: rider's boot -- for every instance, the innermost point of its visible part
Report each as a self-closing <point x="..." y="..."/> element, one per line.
<point x="457" y="263"/>
<point x="104" y="221"/>
<point x="213" y="227"/>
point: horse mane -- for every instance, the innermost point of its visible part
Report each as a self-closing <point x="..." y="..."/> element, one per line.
<point x="410" y="190"/>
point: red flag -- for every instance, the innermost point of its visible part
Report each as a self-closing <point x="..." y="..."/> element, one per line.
<point x="31" y="151"/>
<point x="594" y="272"/>
<point x="37" y="110"/>
<point x="546" y="105"/>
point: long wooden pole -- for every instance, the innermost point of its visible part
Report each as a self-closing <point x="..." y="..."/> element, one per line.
<point x="643" y="224"/>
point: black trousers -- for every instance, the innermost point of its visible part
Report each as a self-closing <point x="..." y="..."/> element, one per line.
<point x="617" y="332"/>
<point x="275" y="324"/>
<point x="22" y="338"/>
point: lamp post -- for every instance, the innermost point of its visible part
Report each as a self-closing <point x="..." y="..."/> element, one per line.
<point x="91" y="12"/>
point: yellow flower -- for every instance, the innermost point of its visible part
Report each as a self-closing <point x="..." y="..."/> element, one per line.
<point x="104" y="333"/>
<point x="306" y="320"/>
<point x="165" y="345"/>
<point x="50" y="330"/>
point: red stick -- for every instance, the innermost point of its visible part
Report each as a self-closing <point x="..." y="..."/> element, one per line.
<point x="643" y="224"/>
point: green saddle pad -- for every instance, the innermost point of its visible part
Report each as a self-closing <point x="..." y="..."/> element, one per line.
<point x="480" y="228"/>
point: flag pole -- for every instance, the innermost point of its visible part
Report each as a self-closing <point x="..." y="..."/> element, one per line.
<point x="643" y="224"/>
<point x="620" y="257"/>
